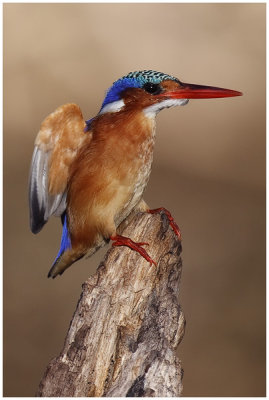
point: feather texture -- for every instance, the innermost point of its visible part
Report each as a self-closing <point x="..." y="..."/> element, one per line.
<point x="60" y="136"/>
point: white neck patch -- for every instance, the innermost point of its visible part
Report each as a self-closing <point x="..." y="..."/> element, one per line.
<point x="112" y="107"/>
<point x="151" y="111"/>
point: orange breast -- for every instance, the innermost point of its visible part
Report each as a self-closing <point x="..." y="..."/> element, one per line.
<point x="109" y="175"/>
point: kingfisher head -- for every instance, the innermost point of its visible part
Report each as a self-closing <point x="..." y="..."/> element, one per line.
<point x="151" y="91"/>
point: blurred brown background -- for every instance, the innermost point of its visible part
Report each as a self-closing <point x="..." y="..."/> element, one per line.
<point x="209" y="171"/>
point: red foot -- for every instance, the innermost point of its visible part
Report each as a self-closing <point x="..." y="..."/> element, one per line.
<point x="171" y="220"/>
<point x="125" y="241"/>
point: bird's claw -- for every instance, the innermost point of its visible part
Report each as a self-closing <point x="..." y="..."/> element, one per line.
<point x="172" y="222"/>
<point x="119" y="240"/>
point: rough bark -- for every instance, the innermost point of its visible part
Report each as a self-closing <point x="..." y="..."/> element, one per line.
<point x="128" y="323"/>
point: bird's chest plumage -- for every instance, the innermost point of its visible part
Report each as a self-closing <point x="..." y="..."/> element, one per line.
<point x="137" y="174"/>
<point x="110" y="174"/>
<point x="135" y="168"/>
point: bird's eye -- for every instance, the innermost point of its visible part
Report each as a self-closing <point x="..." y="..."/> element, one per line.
<point x="152" y="88"/>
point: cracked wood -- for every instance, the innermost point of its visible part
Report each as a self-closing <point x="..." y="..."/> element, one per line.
<point x="128" y="323"/>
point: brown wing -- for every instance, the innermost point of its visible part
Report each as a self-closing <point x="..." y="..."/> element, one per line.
<point x="61" y="135"/>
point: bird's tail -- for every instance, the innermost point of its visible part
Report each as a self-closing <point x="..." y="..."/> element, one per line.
<point x="64" y="261"/>
<point x="67" y="255"/>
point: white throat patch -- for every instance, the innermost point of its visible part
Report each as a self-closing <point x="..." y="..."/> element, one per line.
<point x="151" y="111"/>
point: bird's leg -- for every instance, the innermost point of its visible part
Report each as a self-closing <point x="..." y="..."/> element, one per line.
<point x="119" y="240"/>
<point x="172" y="222"/>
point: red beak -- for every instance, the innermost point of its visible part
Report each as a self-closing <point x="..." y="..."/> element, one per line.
<point x="190" y="91"/>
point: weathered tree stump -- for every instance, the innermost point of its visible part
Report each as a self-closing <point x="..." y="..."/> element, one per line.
<point x="128" y="323"/>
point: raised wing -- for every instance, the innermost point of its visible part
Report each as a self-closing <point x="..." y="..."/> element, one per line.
<point x="61" y="135"/>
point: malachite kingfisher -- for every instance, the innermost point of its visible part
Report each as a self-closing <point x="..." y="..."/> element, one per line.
<point x="93" y="174"/>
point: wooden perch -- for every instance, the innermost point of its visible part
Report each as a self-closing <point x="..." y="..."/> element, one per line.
<point x="128" y="323"/>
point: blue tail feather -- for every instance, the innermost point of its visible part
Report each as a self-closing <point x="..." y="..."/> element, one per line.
<point x="65" y="241"/>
